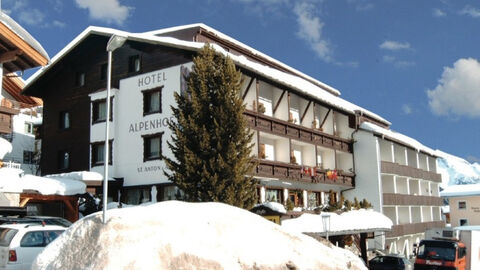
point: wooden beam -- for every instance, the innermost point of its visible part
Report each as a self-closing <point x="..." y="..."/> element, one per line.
<point x="325" y="119"/>
<point x="21" y="44"/>
<point x="278" y="102"/>
<point x="24" y="201"/>
<point x="305" y="112"/>
<point x="248" y="88"/>
<point x="10" y="56"/>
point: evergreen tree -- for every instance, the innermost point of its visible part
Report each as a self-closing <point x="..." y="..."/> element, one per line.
<point x="211" y="141"/>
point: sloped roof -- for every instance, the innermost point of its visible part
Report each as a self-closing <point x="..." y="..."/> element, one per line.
<point x="461" y="191"/>
<point x="13" y="85"/>
<point x="292" y="81"/>
<point x="16" y="40"/>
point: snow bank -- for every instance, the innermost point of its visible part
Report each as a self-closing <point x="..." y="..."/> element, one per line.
<point x="80" y="176"/>
<point x="180" y="235"/>
<point x="461" y="190"/>
<point x="15" y="181"/>
<point x="5" y="147"/>
<point x="350" y="222"/>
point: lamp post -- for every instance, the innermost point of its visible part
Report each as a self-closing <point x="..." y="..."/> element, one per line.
<point x="326" y="223"/>
<point x="114" y="43"/>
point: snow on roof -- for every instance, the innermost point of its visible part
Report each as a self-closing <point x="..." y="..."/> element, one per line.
<point x="184" y="235"/>
<point x="14" y="181"/>
<point x="252" y="50"/>
<point x="289" y="80"/>
<point x="22" y="33"/>
<point x="5" y="147"/>
<point x="353" y="221"/>
<point x="275" y="206"/>
<point x="461" y="190"/>
<point x="445" y="209"/>
<point x="80" y="176"/>
<point x="397" y="137"/>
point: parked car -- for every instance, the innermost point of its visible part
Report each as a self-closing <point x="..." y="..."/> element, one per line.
<point x="36" y="220"/>
<point x="21" y="243"/>
<point x="390" y="262"/>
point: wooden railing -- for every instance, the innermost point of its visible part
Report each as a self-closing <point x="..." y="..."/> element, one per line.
<point x="403" y="199"/>
<point x="395" y="168"/>
<point x="283" y="128"/>
<point x="287" y="171"/>
<point x="405" y="229"/>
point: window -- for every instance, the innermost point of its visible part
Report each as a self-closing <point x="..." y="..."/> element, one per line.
<point x="103" y="71"/>
<point x="99" y="109"/>
<point x="28" y="157"/>
<point x="273" y="195"/>
<point x="64" y="122"/>
<point x="265" y="107"/>
<point x="98" y="153"/>
<point x="134" y="63"/>
<point x="314" y="199"/>
<point x="463" y="222"/>
<point x="152" y="146"/>
<point x="63" y="160"/>
<point x="152" y="101"/>
<point x="28" y="128"/>
<point x="296" y="197"/>
<point x="39" y="238"/>
<point x="80" y="79"/>
<point x="462" y="205"/>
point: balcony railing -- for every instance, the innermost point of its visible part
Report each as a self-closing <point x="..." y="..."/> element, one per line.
<point x="279" y="127"/>
<point x="406" y="229"/>
<point x="395" y="168"/>
<point x="287" y="171"/>
<point x="404" y="199"/>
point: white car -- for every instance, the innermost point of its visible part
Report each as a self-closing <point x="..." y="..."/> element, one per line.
<point x="21" y="243"/>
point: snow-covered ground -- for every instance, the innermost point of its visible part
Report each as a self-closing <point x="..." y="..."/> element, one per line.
<point x="5" y="147"/>
<point x="457" y="171"/>
<point x="180" y="235"/>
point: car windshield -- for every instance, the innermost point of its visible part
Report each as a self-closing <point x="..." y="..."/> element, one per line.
<point x="426" y="251"/>
<point x="6" y="236"/>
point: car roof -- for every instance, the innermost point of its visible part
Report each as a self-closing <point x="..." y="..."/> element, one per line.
<point x="32" y="227"/>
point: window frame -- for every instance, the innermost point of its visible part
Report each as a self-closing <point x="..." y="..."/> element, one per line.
<point x="61" y="120"/>
<point x="460" y="222"/>
<point x="60" y="164"/>
<point x="95" y="110"/>
<point x="28" y="157"/>
<point x="131" y="63"/>
<point x="28" y="128"/>
<point x="464" y="205"/>
<point x="147" y="147"/>
<point x="93" y="147"/>
<point x="147" y="97"/>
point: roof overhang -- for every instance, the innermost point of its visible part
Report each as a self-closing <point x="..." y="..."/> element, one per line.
<point x="18" y="49"/>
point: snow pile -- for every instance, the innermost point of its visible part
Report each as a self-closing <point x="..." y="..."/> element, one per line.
<point x="350" y="222"/>
<point x="5" y="147"/>
<point x="461" y="190"/>
<point x="180" y="235"/>
<point x="15" y="181"/>
<point x="80" y="176"/>
<point x="457" y="171"/>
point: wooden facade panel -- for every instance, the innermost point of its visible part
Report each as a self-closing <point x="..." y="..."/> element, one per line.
<point x="293" y="132"/>
<point x="317" y="139"/>
<point x="404" y="199"/>
<point x="281" y="172"/>
<point x="306" y="136"/>
<point x="263" y="124"/>
<point x="266" y="170"/>
<point x="279" y="129"/>
<point x="327" y="141"/>
<point x="395" y="168"/>
<point x="405" y="229"/>
<point x="337" y="144"/>
<point x="250" y="121"/>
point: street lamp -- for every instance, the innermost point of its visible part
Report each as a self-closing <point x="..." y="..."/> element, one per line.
<point x="114" y="43"/>
<point x="326" y="223"/>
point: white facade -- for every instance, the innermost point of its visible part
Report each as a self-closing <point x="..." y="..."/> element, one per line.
<point x="373" y="151"/>
<point x="25" y="148"/>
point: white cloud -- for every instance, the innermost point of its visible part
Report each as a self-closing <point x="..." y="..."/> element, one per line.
<point x="470" y="11"/>
<point x="438" y="13"/>
<point x="310" y="30"/>
<point x="59" y="24"/>
<point x="396" y="62"/>
<point x="109" y="11"/>
<point x="407" y="109"/>
<point x="361" y="5"/>
<point x="458" y="91"/>
<point x="394" y="45"/>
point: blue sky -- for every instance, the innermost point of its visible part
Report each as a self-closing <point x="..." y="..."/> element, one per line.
<point x="416" y="63"/>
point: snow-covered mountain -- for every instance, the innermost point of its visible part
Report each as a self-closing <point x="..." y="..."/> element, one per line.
<point x="456" y="170"/>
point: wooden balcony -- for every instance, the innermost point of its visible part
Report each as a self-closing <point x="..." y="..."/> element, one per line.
<point x="406" y="229"/>
<point x="282" y="128"/>
<point x="403" y="199"/>
<point x="287" y="171"/>
<point x="402" y="170"/>
<point x="5" y="124"/>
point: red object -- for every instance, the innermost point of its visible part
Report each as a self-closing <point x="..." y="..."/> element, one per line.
<point x="12" y="256"/>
